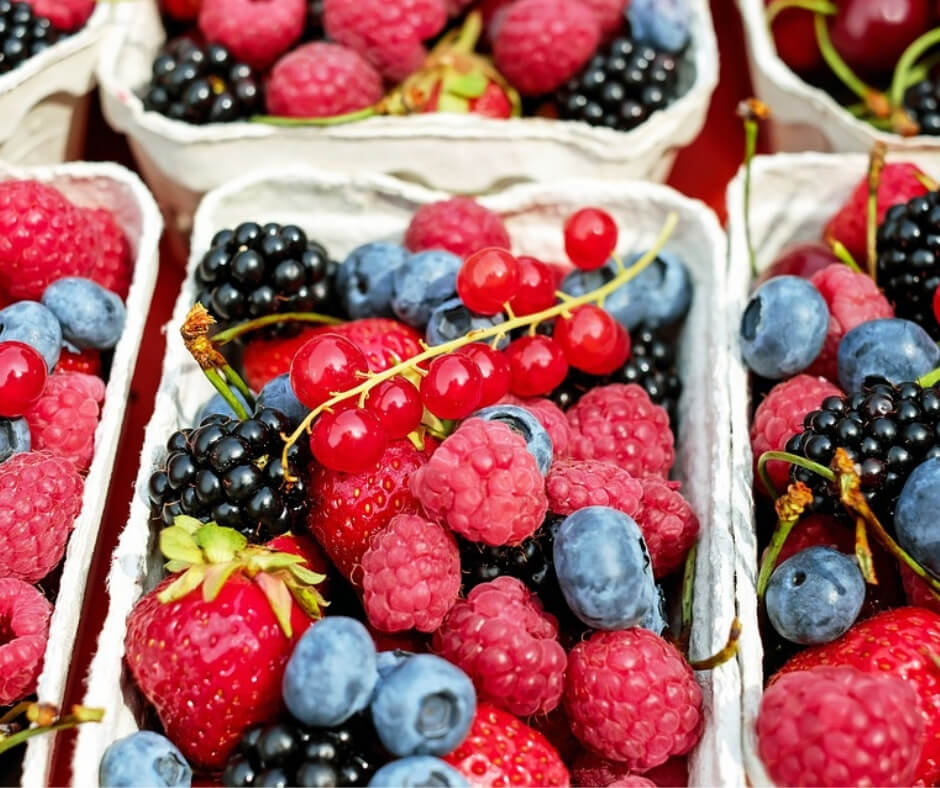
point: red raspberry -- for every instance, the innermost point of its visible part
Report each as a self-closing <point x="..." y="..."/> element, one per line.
<point x="25" y="614"/>
<point x="668" y="523"/>
<point x="917" y="590"/>
<point x="410" y="575"/>
<point x="631" y="781"/>
<point x="68" y="15"/>
<point x="257" y="32"/>
<point x="384" y="342"/>
<point x="484" y="483"/>
<point x="590" y="769"/>
<point x="609" y="14"/>
<point x="834" y="726"/>
<point x="619" y="424"/>
<point x="853" y="298"/>
<point x="780" y="416"/>
<point x="64" y="419"/>
<point x="575" y="484"/>
<point x="320" y="80"/>
<point x="460" y="225"/>
<point x="551" y="417"/>
<point x="265" y="359"/>
<point x="87" y="361"/>
<point x="43" y="237"/>
<point x="541" y="44"/>
<point x="508" y="645"/>
<point x="114" y="266"/>
<point x="632" y="697"/>
<point x="40" y="495"/>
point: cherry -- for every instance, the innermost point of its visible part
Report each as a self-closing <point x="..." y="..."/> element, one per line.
<point x="871" y="35"/>
<point x="803" y="259"/>
<point x="592" y="340"/>
<point x="396" y="403"/>
<point x="351" y="440"/>
<point x="494" y="371"/>
<point x="22" y="378"/>
<point x="324" y="366"/>
<point x="453" y="387"/>
<point x="795" y="39"/>
<point x="590" y="238"/>
<point x="487" y="280"/>
<point x="537" y="365"/>
<point x="537" y="287"/>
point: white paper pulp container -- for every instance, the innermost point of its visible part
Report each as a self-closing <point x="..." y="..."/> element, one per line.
<point x="342" y="214"/>
<point x="458" y="153"/>
<point x="121" y="192"/>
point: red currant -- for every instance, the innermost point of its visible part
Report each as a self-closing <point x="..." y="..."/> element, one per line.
<point x="487" y="280"/>
<point x="324" y="366"/>
<point x="453" y="387"/>
<point x="536" y="287"/>
<point x="590" y="238"/>
<point x="537" y="365"/>
<point x="593" y="340"/>
<point x="351" y="440"/>
<point x="396" y="403"/>
<point x="22" y="378"/>
<point x="936" y="304"/>
<point x="494" y="370"/>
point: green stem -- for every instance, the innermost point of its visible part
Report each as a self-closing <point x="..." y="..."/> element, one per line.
<point x="906" y="62"/>
<point x="236" y="380"/>
<point x="688" y="590"/>
<point x="220" y="385"/>
<point x="876" y="163"/>
<point x="750" y="148"/>
<point x="69" y="721"/>
<point x="930" y="379"/>
<point x="234" y="332"/>
<point x="775" y="8"/>
<point x="873" y="99"/>
<point x="795" y="459"/>
<point x="844" y="255"/>
<point x="334" y="120"/>
<point x="769" y="562"/>
<point x="727" y="652"/>
<point x="466" y="40"/>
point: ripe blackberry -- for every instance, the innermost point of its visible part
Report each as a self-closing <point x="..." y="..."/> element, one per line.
<point x="230" y="471"/>
<point x="202" y="84"/>
<point x="909" y="259"/>
<point x="257" y="270"/>
<point x="621" y="86"/>
<point x="23" y="34"/>
<point x="922" y="102"/>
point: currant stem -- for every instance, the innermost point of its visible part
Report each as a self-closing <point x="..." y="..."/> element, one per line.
<point x="727" y="652"/>
<point x="234" y="332"/>
<point x="876" y="163"/>
<point x="79" y="715"/>
<point x="930" y="379"/>
<point x="818" y="6"/>
<point x="751" y="111"/>
<point x="844" y="255"/>
<point x="875" y="100"/>
<point x="927" y="182"/>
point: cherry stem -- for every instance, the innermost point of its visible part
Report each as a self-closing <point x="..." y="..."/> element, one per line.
<point x="844" y="255"/>
<point x="775" y="8"/>
<point x="907" y="61"/>
<point x="79" y="715"/>
<point x="234" y="332"/>
<point x="875" y="100"/>
<point x="751" y="111"/>
<point x="876" y="163"/>
<point x="930" y="379"/>
<point x="727" y="652"/>
<point x="789" y="509"/>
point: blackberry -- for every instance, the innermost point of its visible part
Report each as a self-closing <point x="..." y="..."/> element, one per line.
<point x="287" y="753"/>
<point x="621" y="86"/>
<point x="257" y="270"/>
<point x="230" y="471"/>
<point x="23" y="34"/>
<point x="922" y="103"/>
<point x="909" y="259"/>
<point x="202" y="84"/>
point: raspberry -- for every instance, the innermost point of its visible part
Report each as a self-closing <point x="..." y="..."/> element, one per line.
<point x="87" y="361"/>
<point x="503" y="640"/>
<point x="257" y="32"/>
<point x="43" y="237"/>
<point x="917" y="591"/>
<point x="541" y="44"/>
<point x="24" y="624"/>
<point x="484" y="483"/>
<point x="459" y="225"/>
<point x="609" y="14"/>
<point x="113" y="267"/>
<point x="456" y="7"/>
<point x="40" y="495"/>
<point x="668" y="523"/>
<point x="410" y="575"/>
<point x="631" y="697"/>
<point x="839" y="726"/>
<point x="780" y="416"/>
<point x="631" y="780"/>
<point x="574" y="484"/>
<point x="64" y="419"/>
<point x="551" y="417"/>
<point x="853" y="298"/>
<point x="265" y="359"/>
<point x="67" y="15"/>
<point x="590" y="769"/>
<point x="619" y="424"/>
<point x="321" y="80"/>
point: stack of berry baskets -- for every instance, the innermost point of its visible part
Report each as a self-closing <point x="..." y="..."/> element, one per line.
<point x="837" y="583"/>
<point x="192" y="114"/>
<point x="78" y="259"/>
<point x="480" y="537"/>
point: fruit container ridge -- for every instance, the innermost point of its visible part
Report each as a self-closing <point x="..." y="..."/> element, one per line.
<point x="342" y="213"/>
<point x="457" y="153"/>
<point x="124" y="194"/>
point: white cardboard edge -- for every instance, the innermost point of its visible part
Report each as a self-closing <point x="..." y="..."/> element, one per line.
<point x="116" y="188"/>
<point x="344" y="212"/>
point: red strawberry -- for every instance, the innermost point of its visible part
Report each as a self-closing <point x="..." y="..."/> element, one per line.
<point x="265" y="359"/>
<point x="384" y="342"/>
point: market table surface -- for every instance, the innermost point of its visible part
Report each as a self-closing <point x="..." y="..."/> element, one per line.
<point x="702" y="170"/>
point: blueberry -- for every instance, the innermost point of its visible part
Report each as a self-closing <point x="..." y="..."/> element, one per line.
<point x="783" y="327"/>
<point x="520" y="420"/>
<point x="14" y="438"/>
<point x="423" y="707"/>
<point x="663" y="288"/>
<point x="418" y="770"/>
<point x="365" y="281"/>
<point x="452" y="319"/>
<point x="915" y="517"/>
<point x="894" y="349"/>
<point x="655" y="620"/>
<point x="31" y="323"/>
<point x="332" y="672"/>
<point x="604" y="569"/>
<point x="663" y="24"/>
<point x="91" y="317"/>
<point x="628" y="311"/>
<point x="387" y="661"/>
<point x="426" y="280"/>
<point x="216" y="405"/>
<point x="278" y="394"/>
<point x="815" y="596"/>
<point x="143" y="758"/>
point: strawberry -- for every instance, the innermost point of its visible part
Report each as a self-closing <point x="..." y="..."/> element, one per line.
<point x="265" y="359"/>
<point x="208" y="646"/>
<point x="384" y="342"/>
<point x="903" y="642"/>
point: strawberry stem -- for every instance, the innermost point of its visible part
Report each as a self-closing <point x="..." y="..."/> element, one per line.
<point x="79" y="715"/>
<point x="789" y="508"/>
<point x="727" y="652"/>
<point x="234" y="332"/>
<point x="775" y="8"/>
<point x="876" y="163"/>
<point x="875" y="100"/>
<point x="751" y="111"/>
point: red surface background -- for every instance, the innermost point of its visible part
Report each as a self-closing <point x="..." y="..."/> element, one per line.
<point x="702" y="170"/>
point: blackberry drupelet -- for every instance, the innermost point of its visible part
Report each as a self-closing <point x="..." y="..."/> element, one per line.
<point x="909" y="259"/>
<point x="621" y="86"/>
<point x="230" y="471"/>
<point x="200" y="85"/>
<point x="22" y="34"/>
<point x="922" y="102"/>
<point x="257" y="270"/>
